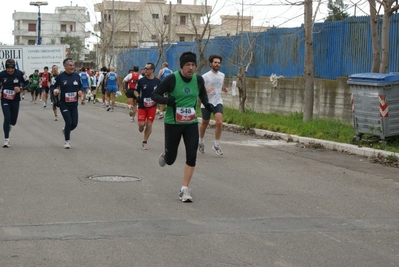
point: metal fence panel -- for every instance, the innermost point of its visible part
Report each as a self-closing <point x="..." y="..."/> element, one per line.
<point x="340" y="49"/>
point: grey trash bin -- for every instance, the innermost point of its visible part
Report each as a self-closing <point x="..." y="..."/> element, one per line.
<point x="375" y="104"/>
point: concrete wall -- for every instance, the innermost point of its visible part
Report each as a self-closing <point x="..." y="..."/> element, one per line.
<point x="331" y="98"/>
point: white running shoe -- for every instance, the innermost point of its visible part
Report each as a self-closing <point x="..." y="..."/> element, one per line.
<point x="67" y="145"/>
<point x="55" y="118"/>
<point x="144" y="146"/>
<point x="217" y="149"/>
<point x="185" y="196"/>
<point x="161" y="160"/>
<point x="6" y="143"/>
<point x="201" y="148"/>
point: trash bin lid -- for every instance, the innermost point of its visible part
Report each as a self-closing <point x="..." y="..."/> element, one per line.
<point x="372" y="77"/>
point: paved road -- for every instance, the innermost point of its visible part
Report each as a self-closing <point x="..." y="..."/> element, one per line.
<point x="264" y="203"/>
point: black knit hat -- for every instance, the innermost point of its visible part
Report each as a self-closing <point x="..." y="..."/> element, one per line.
<point x="188" y="57"/>
<point x="10" y="63"/>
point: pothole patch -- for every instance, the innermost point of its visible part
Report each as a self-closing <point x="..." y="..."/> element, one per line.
<point x="113" y="178"/>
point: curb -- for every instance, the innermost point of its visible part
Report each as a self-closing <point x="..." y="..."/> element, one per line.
<point x="353" y="149"/>
<point x="348" y="148"/>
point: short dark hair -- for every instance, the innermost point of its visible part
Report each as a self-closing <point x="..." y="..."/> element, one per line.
<point x="136" y="68"/>
<point x="212" y="57"/>
<point x="151" y="64"/>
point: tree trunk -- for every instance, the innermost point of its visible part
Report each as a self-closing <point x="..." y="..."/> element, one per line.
<point x="386" y="23"/>
<point x="242" y="89"/>
<point x="374" y="37"/>
<point x="309" y="62"/>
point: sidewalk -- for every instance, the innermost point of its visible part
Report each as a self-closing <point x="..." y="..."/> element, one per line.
<point x="348" y="148"/>
<point x="353" y="149"/>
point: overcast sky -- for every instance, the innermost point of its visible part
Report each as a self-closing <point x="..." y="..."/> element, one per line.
<point x="265" y="12"/>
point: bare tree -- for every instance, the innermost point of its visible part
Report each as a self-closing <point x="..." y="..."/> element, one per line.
<point x="309" y="62"/>
<point x="157" y="30"/>
<point x="309" y="58"/>
<point x="381" y="56"/>
<point x="244" y="47"/>
<point x="203" y="32"/>
<point x="113" y="24"/>
<point x="245" y="55"/>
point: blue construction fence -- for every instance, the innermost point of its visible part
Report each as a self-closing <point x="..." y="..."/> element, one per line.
<point x="340" y="49"/>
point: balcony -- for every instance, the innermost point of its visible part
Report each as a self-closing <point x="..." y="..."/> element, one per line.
<point x="25" y="33"/>
<point x="184" y="29"/>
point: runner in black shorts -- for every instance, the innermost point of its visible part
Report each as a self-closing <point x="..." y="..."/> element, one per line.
<point x="129" y="85"/>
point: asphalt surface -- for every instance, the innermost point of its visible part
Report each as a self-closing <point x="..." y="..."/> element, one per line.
<point x="263" y="203"/>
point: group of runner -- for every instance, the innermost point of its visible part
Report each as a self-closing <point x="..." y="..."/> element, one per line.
<point x="178" y="91"/>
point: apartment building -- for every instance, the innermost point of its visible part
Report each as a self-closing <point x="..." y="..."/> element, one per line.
<point x="148" y="22"/>
<point x="65" y="21"/>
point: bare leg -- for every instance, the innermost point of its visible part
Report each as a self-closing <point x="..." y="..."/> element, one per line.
<point x="219" y="124"/>
<point x="188" y="173"/>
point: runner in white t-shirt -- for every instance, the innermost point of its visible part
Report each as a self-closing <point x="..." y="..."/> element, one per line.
<point x="214" y="80"/>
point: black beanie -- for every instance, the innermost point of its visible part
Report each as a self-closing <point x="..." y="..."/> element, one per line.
<point x="10" y="63"/>
<point x="188" y="57"/>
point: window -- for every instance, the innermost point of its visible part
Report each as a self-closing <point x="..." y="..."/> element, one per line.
<point x="181" y="39"/>
<point x="155" y="16"/>
<point x="166" y="19"/>
<point x="182" y="20"/>
<point x="71" y="28"/>
<point x="63" y="27"/>
<point x="31" y="42"/>
<point x="32" y="27"/>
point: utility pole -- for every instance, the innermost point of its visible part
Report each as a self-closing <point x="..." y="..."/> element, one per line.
<point x="169" y="21"/>
<point x="113" y="33"/>
<point x="238" y="20"/>
<point x="39" y="19"/>
<point x="130" y="32"/>
<point x="309" y="62"/>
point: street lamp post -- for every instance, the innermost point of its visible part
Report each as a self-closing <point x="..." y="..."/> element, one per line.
<point x="39" y="20"/>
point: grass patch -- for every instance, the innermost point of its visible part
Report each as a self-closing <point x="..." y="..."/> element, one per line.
<point x="325" y="129"/>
